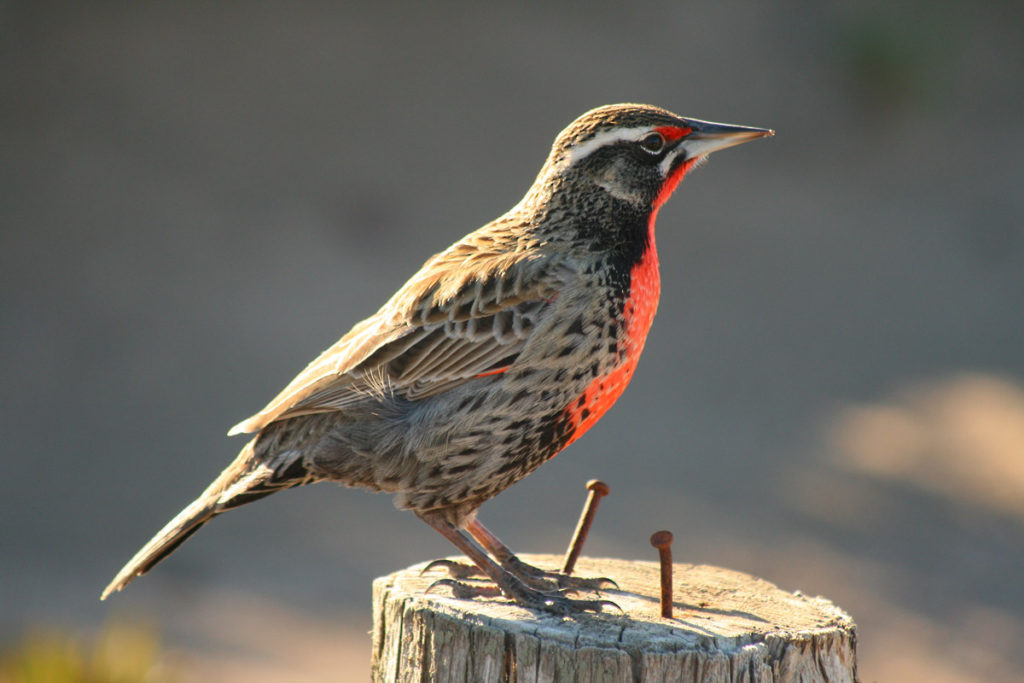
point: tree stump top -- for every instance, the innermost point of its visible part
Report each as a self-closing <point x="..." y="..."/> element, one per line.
<point x="724" y="621"/>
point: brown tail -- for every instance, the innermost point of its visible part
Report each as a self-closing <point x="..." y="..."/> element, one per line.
<point x="244" y="481"/>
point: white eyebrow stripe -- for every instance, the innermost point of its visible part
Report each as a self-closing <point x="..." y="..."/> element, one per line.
<point x="602" y="139"/>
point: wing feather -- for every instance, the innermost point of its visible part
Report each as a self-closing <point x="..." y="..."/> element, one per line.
<point x="465" y="314"/>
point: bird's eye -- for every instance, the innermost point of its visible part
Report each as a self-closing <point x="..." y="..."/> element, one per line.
<point x="653" y="143"/>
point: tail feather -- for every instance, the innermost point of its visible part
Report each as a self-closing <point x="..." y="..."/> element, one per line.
<point x="244" y="481"/>
<point x="163" y="544"/>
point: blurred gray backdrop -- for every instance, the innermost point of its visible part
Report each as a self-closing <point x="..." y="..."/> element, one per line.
<point x="197" y="198"/>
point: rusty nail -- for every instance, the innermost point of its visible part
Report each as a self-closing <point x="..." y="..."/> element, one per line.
<point x="598" y="489"/>
<point x="662" y="540"/>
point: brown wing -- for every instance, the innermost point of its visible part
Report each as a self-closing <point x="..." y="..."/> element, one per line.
<point x="468" y="312"/>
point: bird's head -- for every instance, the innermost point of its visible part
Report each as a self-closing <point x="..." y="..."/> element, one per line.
<point x="634" y="152"/>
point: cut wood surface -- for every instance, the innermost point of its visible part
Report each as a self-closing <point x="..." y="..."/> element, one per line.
<point x="727" y="626"/>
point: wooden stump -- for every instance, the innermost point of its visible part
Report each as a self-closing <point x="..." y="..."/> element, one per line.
<point x="728" y="626"/>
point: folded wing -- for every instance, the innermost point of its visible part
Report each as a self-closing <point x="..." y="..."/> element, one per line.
<point x="446" y="326"/>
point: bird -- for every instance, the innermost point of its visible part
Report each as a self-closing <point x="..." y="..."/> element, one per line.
<point x="500" y="352"/>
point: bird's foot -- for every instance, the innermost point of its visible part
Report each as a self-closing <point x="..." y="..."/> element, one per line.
<point x="523" y="595"/>
<point x="535" y="577"/>
<point x="545" y="579"/>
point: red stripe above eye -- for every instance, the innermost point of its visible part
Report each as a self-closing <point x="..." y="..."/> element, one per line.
<point x="673" y="133"/>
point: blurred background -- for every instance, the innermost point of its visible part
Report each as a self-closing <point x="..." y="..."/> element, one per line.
<point x="197" y="198"/>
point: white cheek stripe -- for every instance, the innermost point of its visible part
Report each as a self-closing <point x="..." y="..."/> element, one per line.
<point x="607" y="137"/>
<point x="666" y="163"/>
<point x="666" y="166"/>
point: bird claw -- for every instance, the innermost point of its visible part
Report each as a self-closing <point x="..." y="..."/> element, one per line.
<point x="522" y="583"/>
<point x="455" y="569"/>
<point x="527" y="573"/>
<point x="540" y="578"/>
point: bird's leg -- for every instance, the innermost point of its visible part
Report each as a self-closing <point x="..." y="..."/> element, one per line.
<point x="501" y="552"/>
<point x="509" y="584"/>
<point x="534" y="576"/>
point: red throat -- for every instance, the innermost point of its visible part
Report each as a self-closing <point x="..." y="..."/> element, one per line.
<point x="638" y="313"/>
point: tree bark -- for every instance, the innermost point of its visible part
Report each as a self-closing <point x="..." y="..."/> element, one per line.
<point x="727" y="626"/>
